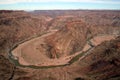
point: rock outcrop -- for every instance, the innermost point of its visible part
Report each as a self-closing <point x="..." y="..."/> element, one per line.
<point x="68" y="40"/>
<point x="6" y="69"/>
<point x="103" y="62"/>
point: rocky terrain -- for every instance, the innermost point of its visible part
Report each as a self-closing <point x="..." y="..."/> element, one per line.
<point x="69" y="33"/>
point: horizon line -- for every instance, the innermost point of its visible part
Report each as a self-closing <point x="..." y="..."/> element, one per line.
<point x="53" y="9"/>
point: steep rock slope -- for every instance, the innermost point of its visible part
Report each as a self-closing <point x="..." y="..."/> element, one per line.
<point x="67" y="40"/>
<point x="7" y="69"/>
<point x="103" y="62"/>
<point x="16" y="26"/>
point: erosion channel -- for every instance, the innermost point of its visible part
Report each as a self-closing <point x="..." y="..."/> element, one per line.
<point x="28" y="54"/>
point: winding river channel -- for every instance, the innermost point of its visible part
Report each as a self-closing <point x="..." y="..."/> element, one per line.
<point x="20" y="48"/>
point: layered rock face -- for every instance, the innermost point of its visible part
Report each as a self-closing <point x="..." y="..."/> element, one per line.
<point x="67" y="40"/>
<point x="103" y="62"/>
<point x="16" y="26"/>
<point x="7" y="69"/>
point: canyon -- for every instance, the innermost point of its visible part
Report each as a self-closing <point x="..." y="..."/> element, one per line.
<point x="60" y="45"/>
